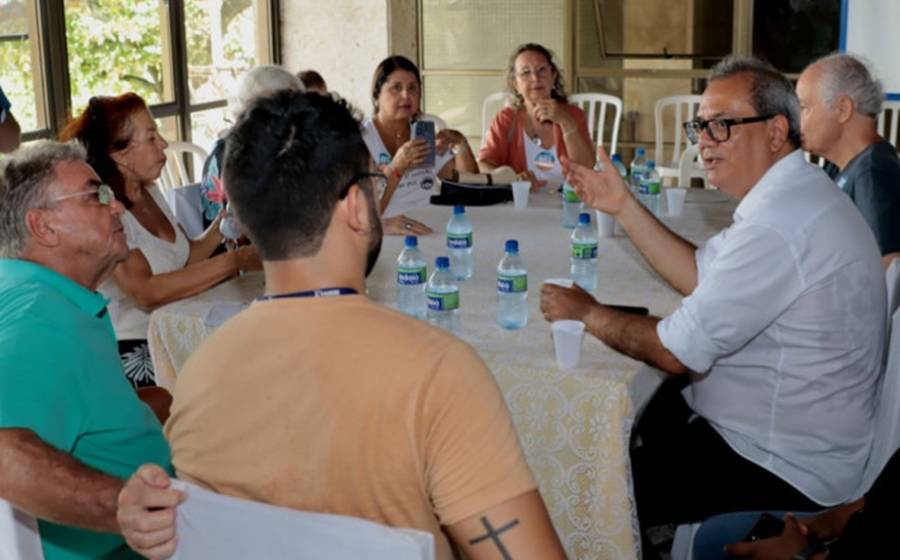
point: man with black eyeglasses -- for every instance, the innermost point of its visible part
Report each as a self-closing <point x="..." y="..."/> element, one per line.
<point x="776" y="348"/>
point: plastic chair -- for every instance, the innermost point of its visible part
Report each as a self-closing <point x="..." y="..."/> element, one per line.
<point x="891" y="108"/>
<point x="685" y="108"/>
<point x="492" y="105"/>
<point x="19" y="537"/>
<point x="175" y="173"/>
<point x="211" y="525"/>
<point x="439" y="123"/>
<point x="595" y="106"/>
<point x="690" y="167"/>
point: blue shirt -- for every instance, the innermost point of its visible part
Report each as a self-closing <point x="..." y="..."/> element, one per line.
<point x="61" y="377"/>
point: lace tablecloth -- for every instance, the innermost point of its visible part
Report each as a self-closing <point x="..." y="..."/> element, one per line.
<point x="573" y="425"/>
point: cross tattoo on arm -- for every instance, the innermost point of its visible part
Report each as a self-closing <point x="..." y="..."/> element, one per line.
<point x="494" y="535"/>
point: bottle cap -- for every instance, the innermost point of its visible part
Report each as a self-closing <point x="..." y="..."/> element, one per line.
<point x="640" y="151"/>
<point x="459" y="209"/>
<point x="584" y="218"/>
<point x="616" y="157"/>
<point x="442" y="263"/>
<point x="651" y="164"/>
<point x="512" y="246"/>
<point x="411" y="241"/>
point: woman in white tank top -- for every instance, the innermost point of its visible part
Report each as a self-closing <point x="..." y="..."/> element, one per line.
<point x="126" y="150"/>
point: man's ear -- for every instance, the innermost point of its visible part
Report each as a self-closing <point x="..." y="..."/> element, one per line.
<point x="777" y="128"/>
<point x="844" y="107"/>
<point x="41" y="229"/>
<point x="355" y="207"/>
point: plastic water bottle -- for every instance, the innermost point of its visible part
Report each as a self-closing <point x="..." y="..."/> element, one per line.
<point x="512" y="289"/>
<point x="229" y="228"/>
<point x="571" y="206"/>
<point x="620" y="167"/>
<point x="459" y="244"/>
<point x="412" y="273"/>
<point x="650" y="188"/>
<point x="443" y="297"/>
<point x="584" y="254"/>
<point x="638" y="166"/>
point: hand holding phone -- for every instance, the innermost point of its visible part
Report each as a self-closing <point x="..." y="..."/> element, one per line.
<point x="424" y="130"/>
<point x="766" y="527"/>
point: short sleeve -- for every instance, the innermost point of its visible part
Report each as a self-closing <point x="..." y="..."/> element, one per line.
<point x="495" y="147"/>
<point x="37" y="390"/>
<point x="749" y="282"/>
<point x="474" y="461"/>
<point x="877" y="196"/>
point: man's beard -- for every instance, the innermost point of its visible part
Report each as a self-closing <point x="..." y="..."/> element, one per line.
<point x="375" y="232"/>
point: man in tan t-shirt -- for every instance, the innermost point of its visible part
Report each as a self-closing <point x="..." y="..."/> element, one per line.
<point x="317" y="399"/>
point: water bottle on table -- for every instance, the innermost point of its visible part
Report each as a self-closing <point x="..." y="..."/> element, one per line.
<point x="650" y="188"/>
<point x="583" y="259"/>
<point x="459" y="244"/>
<point x="512" y="289"/>
<point x="412" y="274"/>
<point x="443" y="297"/>
<point x="620" y="167"/>
<point x="571" y="206"/>
<point x="638" y="166"/>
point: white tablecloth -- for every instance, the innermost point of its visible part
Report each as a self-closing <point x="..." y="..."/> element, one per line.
<point x="573" y="425"/>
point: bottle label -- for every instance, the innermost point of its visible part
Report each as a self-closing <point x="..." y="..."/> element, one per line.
<point x="584" y="251"/>
<point x="652" y="187"/>
<point x="411" y="276"/>
<point x="512" y="284"/>
<point x="443" y="302"/>
<point x="569" y="195"/>
<point x="459" y="240"/>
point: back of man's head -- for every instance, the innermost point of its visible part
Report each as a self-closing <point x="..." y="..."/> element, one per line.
<point x="770" y="92"/>
<point x="288" y="161"/>
<point x="844" y="74"/>
<point x="26" y="178"/>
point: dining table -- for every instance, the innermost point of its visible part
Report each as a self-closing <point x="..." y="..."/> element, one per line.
<point x="574" y="425"/>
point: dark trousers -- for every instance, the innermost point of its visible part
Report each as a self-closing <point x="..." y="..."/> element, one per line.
<point x="685" y="472"/>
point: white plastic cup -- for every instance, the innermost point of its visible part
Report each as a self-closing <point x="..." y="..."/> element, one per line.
<point x="564" y="282"/>
<point x="675" y="200"/>
<point x="567" y="337"/>
<point x="520" y="193"/>
<point x="606" y="225"/>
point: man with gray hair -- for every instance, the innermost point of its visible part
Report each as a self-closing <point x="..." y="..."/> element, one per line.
<point x="776" y="348"/>
<point x="71" y="426"/>
<point x="840" y="102"/>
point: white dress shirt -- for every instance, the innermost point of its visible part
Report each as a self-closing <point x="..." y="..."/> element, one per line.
<point x="786" y="329"/>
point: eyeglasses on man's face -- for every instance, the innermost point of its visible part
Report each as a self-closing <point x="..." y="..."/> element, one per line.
<point x="103" y="194"/>
<point x="719" y="128"/>
<point x="377" y="180"/>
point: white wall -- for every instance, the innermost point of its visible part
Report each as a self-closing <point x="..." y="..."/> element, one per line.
<point x="344" y="40"/>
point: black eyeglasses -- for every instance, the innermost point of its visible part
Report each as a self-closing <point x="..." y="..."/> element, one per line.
<point x="719" y="128"/>
<point x="379" y="182"/>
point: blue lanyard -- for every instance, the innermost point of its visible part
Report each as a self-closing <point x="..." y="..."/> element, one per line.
<point x="324" y="292"/>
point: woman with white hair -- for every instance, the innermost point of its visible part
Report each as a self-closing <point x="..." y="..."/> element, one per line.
<point x="257" y="82"/>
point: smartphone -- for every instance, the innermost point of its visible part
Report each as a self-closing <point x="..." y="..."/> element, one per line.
<point x="425" y="131"/>
<point x="766" y="527"/>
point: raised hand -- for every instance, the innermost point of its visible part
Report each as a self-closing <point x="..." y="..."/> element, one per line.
<point x="602" y="190"/>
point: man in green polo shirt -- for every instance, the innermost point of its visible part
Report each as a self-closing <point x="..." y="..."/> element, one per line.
<point x="71" y="426"/>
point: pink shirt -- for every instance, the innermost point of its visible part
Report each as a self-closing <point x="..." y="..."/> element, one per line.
<point x="504" y="142"/>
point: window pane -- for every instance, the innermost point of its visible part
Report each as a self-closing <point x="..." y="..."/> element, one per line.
<point x="458" y="101"/>
<point x="473" y="35"/>
<point x="117" y="46"/>
<point x="221" y="46"/>
<point x="17" y="69"/>
<point x="206" y="126"/>
<point x="790" y="35"/>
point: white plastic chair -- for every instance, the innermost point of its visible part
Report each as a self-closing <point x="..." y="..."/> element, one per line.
<point x="595" y="106"/>
<point x="439" y="123"/>
<point x="685" y="108"/>
<point x="491" y="105"/>
<point x="690" y="166"/>
<point x="211" y="525"/>
<point x="885" y="443"/>
<point x="175" y="173"/>
<point x="890" y="134"/>
<point x="19" y="537"/>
